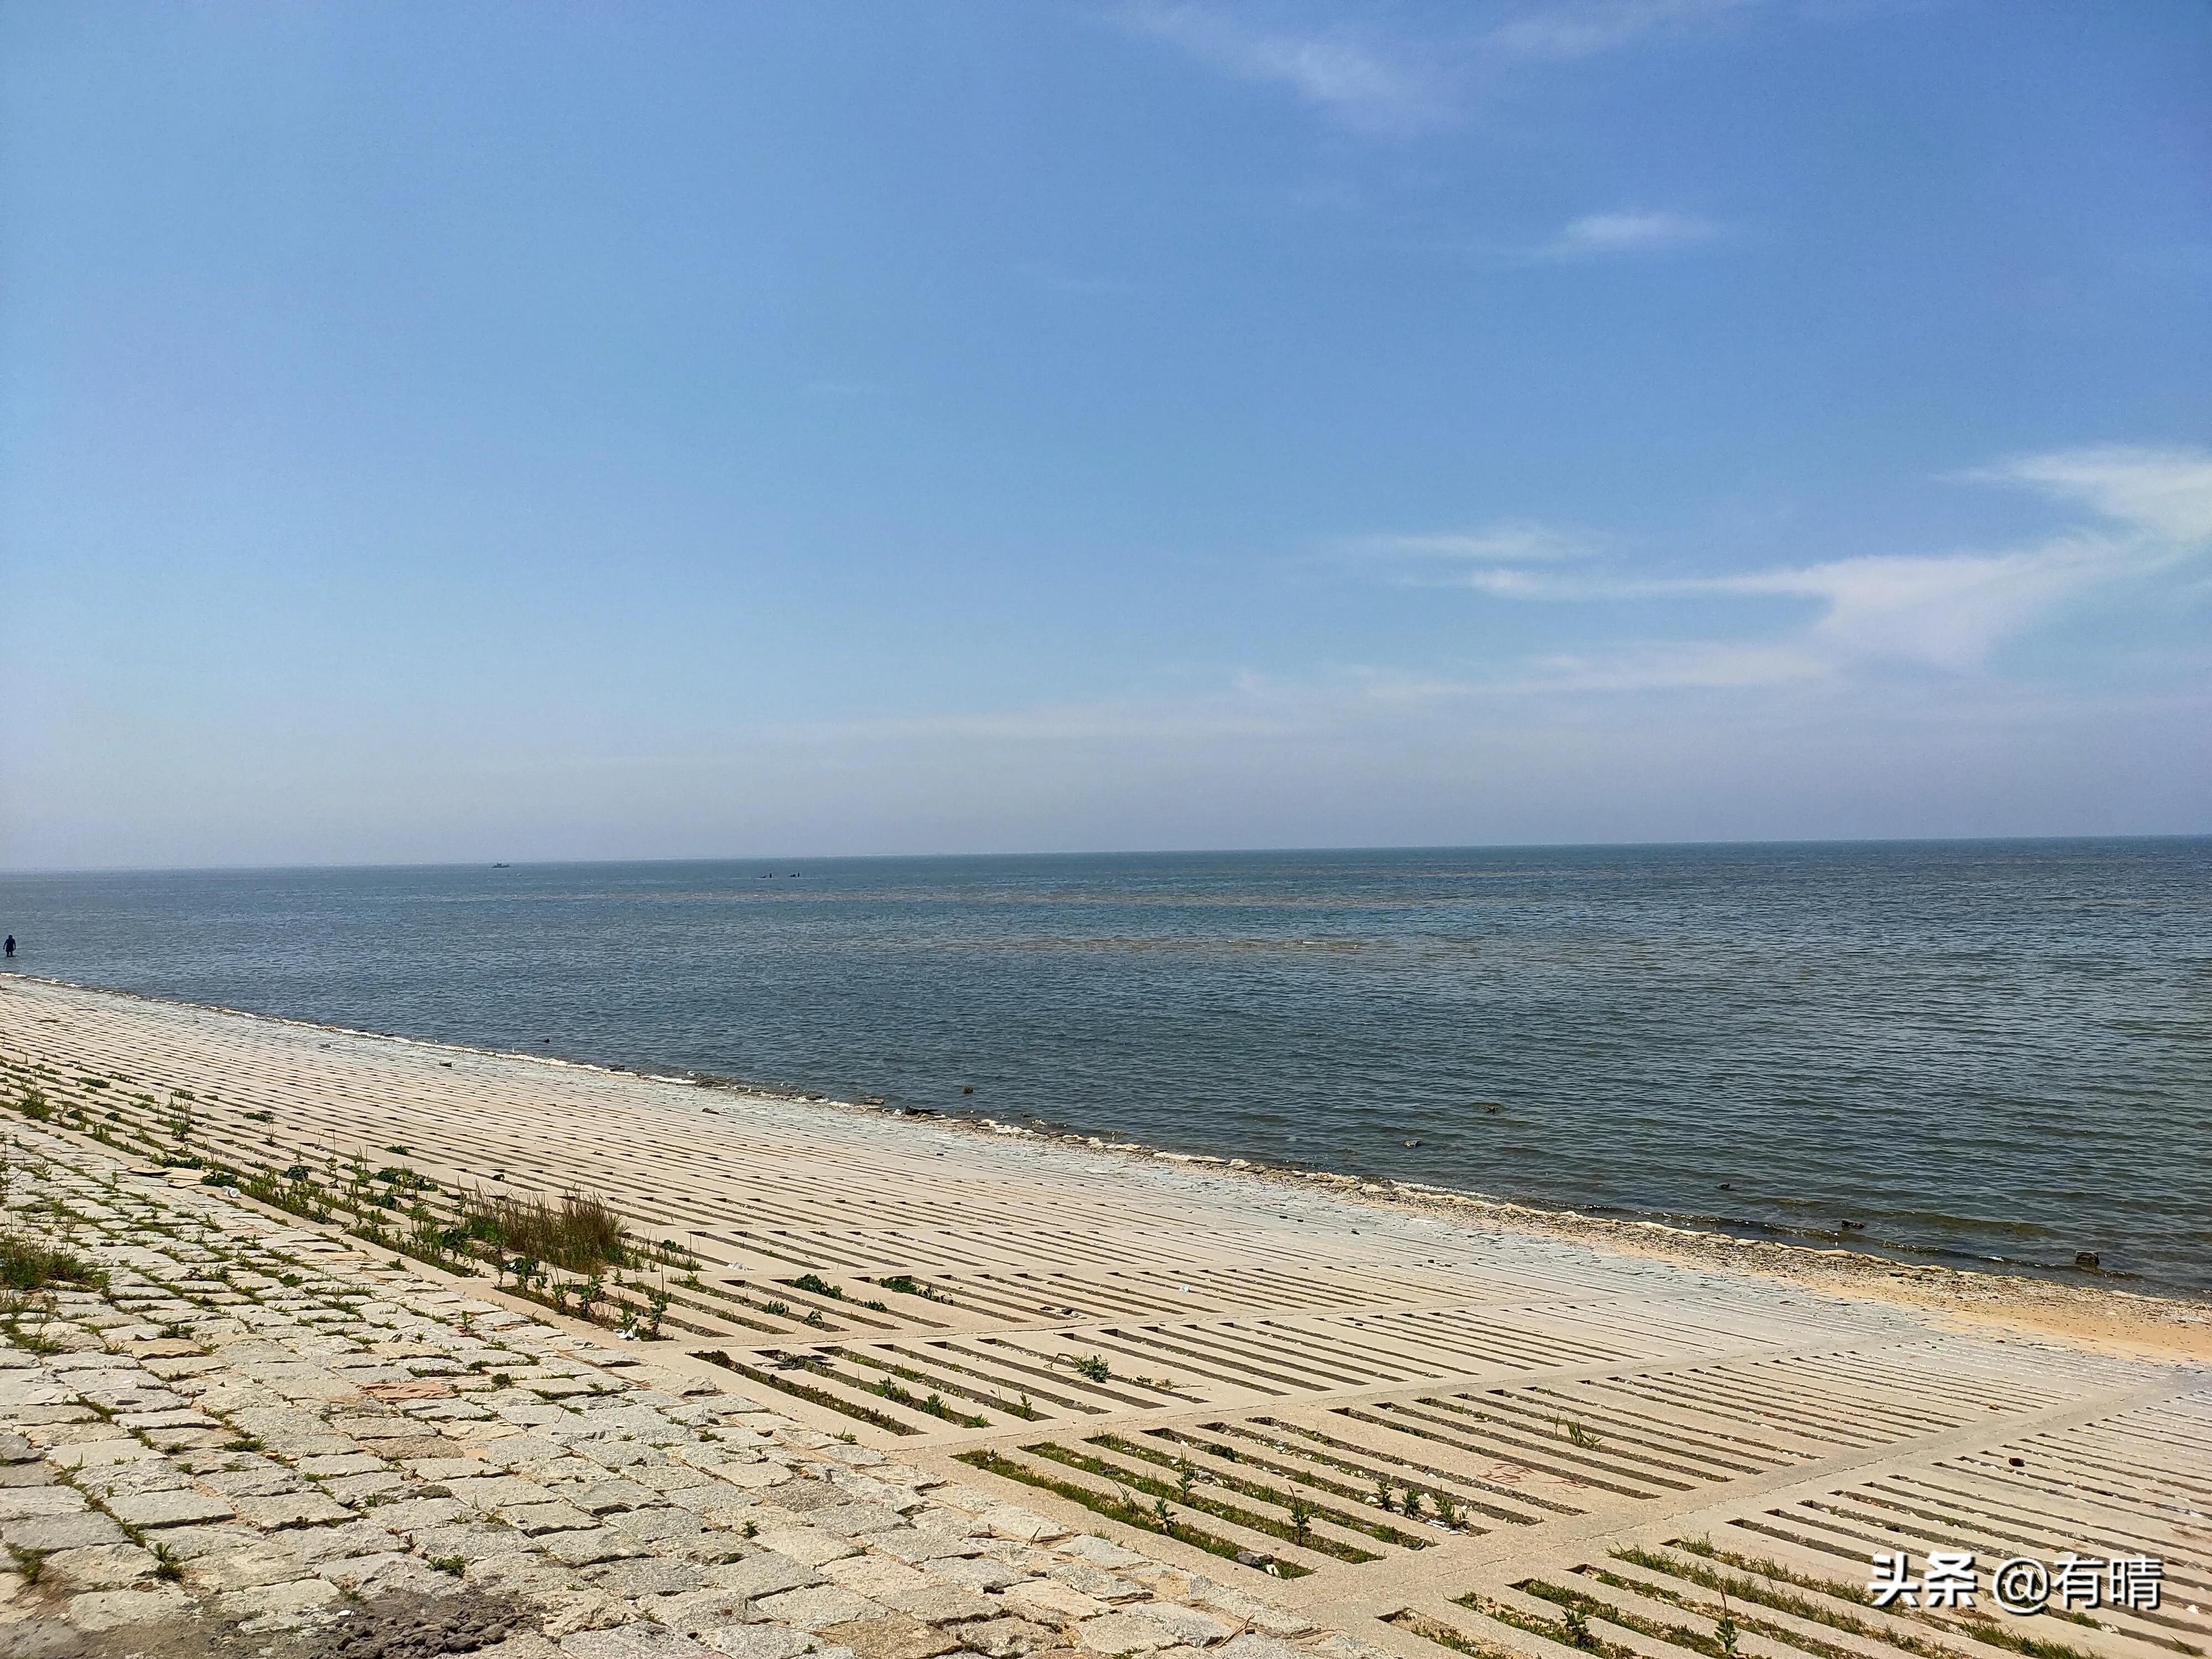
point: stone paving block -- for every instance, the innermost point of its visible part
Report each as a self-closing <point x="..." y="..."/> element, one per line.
<point x="811" y="1544"/>
<point x="942" y="1604"/>
<point x="21" y="1503"/>
<point x="194" y="1540"/>
<point x="811" y="1609"/>
<point x="647" y="1574"/>
<point x="95" y="1454"/>
<point x="1190" y="1625"/>
<point x="385" y="1575"/>
<point x="351" y="1490"/>
<point x="329" y="1464"/>
<point x="755" y="1641"/>
<point x="889" y="1636"/>
<point x="672" y="1527"/>
<point x="638" y="1641"/>
<point x="297" y="1509"/>
<point x="1007" y="1638"/>
<point x="420" y="1514"/>
<point x="447" y="1465"/>
<point x="276" y="1607"/>
<point x="1262" y="1616"/>
<point x="532" y="1519"/>
<point x="974" y="1572"/>
<point x="265" y="1561"/>
<point x="1124" y="1633"/>
<point x="763" y="1574"/>
<point x="99" y="1566"/>
<point x="1012" y="1521"/>
<point x="850" y="1520"/>
<point x="1049" y="1602"/>
<point x="497" y="1491"/>
<point x="105" y="1610"/>
<point x="358" y="1537"/>
<point x="60" y="1532"/>
<point x="602" y="1497"/>
<point x="590" y="1546"/>
<point x="1094" y="1582"/>
<point x="693" y="1611"/>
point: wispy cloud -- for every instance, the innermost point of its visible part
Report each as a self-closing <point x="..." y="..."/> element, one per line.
<point x="1611" y="235"/>
<point x="1366" y="76"/>
<point x="1590" y="27"/>
<point x="1699" y="666"/>
<point x="1511" y="540"/>
<point x="1949" y="611"/>
<point x="2166" y="491"/>
<point x="1355" y="77"/>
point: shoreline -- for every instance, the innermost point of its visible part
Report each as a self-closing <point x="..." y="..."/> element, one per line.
<point x="2151" y="1321"/>
<point x="1013" y="1395"/>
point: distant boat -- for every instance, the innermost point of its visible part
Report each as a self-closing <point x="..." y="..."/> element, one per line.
<point x="502" y="866"/>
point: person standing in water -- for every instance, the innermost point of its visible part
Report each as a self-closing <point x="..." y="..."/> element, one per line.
<point x="11" y="947"/>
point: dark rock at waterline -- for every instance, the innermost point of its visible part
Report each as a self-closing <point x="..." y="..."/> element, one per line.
<point x="2085" y="1259"/>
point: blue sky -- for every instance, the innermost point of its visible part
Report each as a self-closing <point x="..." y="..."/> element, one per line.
<point x="538" y="431"/>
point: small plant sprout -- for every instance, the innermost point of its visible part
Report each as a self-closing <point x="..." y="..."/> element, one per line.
<point x="1577" y="1623"/>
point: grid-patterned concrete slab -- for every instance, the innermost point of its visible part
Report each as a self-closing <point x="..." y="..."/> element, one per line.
<point x="1431" y="1431"/>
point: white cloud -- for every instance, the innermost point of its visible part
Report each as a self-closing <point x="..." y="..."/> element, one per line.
<point x="1951" y="610"/>
<point x="1602" y="235"/>
<point x="1707" y="666"/>
<point x="1944" y="611"/>
<point x="1366" y="79"/>
<point x="1509" y="540"/>
<point x="1356" y="79"/>
<point x="1582" y="30"/>
<point x="2167" y="492"/>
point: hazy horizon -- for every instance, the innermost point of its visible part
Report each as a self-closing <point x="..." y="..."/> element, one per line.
<point x="787" y="856"/>
<point x="550" y="433"/>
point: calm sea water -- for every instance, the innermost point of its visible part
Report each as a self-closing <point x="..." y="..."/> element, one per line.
<point x="1995" y="1052"/>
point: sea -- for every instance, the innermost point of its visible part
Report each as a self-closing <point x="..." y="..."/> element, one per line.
<point x="1984" y="1054"/>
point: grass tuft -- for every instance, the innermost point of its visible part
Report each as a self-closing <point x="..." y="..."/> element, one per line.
<point x="28" y="1265"/>
<point x="581" y="1232"/>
